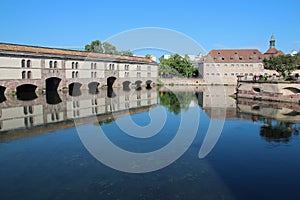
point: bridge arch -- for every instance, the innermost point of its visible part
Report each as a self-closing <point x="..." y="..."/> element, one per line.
<point x="52" y="83"/>
<point x="110" y="81"/>
<point x="126" y="85"/>
<point x="138" y="85"/>
<point x="148" y="84"/>
<point x="2" y="96"/>
<point x="74" y="89"/>
<point x="93" y="87"/>
<point x="26" y="92"/>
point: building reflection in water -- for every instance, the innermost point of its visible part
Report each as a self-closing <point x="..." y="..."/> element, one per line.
<point x="57" y="110"/>
<point x="54" y="111"/>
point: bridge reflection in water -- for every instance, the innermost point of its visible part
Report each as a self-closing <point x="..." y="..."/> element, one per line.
<point x="22" y="115"/>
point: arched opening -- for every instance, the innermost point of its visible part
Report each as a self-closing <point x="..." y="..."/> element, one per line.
<point x="52" y="83"/>
<point x="26" y="92"/>
<point x="74" y="89"/>
<point x="148" y="84"/>
<point x="126" y="85"/>
<point x="292" y="90"/>
<point x="52" y="97"/>
<point x="2" y="96"/>
<point x="93" y="87"/>
<point x="138" y="85"/>
<point x="111" y="81"/>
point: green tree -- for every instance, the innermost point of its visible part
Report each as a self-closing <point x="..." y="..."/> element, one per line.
<point x="126" y="53"/>
<point x="98" y="47"/>
<point x="109" y="48"/>
<point x="148" y="56"/>
<point x="181" y="65"/>
<point x="95" y="46"/>
<point x="282" y="64"/>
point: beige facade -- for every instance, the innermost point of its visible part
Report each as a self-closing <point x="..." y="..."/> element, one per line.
<point x="27" y="65"/>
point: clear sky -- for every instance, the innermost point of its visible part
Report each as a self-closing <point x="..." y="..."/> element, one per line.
<point x="213" y="24"/>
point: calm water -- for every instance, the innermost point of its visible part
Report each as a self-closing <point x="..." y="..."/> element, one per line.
<point x="43" y="152"/>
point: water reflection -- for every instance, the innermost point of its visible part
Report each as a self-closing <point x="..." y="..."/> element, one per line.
<point x="41" y="113"/>
<point x="26" y="96"/>
<point x="53" y="98"/>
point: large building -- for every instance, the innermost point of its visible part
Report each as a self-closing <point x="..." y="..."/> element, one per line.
<point x="32" y="68"/>
<point x="224" y="66"/>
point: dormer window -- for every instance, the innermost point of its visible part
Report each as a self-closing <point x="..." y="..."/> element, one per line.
<point x="235" y="53"/>
<point x="223" y="58"/>
<point x="250" y="58"/>
<point x="240" y="58"/>
<point x="254" y="52"/>
<point x="231" y="58"/>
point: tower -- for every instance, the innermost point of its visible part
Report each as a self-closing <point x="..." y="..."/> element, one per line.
<point x="272" y="42"/>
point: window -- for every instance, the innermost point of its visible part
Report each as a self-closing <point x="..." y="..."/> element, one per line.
<point x="76" y="74"/>
<point x="138" y="74"/>
<point x="225" y="74"/>
<point x="126" y="74"/>
<point x="231" y="58"/>
<point x="73" y="65"/>
<point x="73" y="74"/>
<point x="232" y="74"/>
<point x="241" y="58"/>
<point x="237" y="65"/>
<point x="149" y="68"/>
<point x="148" y="74"/>
<point x="207" y="74"/>
<point x="246" y="65"/>
<point x="95" y="65"/>
<point x="232" y="65"/>
<point x="242" y="65"/>
<point x="139" y="67"/>
<point x="55" y="64"/>
<point x="218" y="65"/>
<point x="251" y="74"/>
<point x="29" y="75"/>
<point x="250" y="58"/>
<point x="212" y="65"/>
<point x="126" y="67"/>
<point x="23" y="63"/>
<point x="95" y="74"/>
<point x="212" y="73"/>
<point x="223" y="58"/>
<point x="76" y="65"/>
<point x="92" y="74"/>
<point x="260" y="65"/>
<point x="23" y="74"/>
<point x="28" y="63"/>
<point x="92" y="65"/>
<point x="251" y="65"/>
<point x="50" y="64"/>
<point x="207" y="65"/>
<point x="225" y="65"/>
<point x="111" y="66"/>
<point x="215" y="59"/>
<point x="246" y="74"/>
<point x="218" y="74"/>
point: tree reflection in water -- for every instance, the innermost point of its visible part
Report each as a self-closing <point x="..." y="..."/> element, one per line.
<point x="175" y="101"/>
<point x="278" y="131"/>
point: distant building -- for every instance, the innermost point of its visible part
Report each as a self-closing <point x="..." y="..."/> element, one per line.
<point x="225" y="66"/>
<point x="272" y="51"/>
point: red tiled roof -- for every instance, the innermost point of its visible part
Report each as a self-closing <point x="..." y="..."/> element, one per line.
<point x="65" y="52"/>
<point x="274" y="52"/>
<point x="234" y="55"/>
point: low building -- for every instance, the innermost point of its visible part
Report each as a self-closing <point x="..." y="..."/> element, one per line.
<point x="32" y="68"/>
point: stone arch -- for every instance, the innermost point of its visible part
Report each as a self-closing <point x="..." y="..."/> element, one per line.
<point x="110" y="81"/>
<point x="2" y="96"/>
<point x="291" y="90"/>
<point x="74" y="89"/>
<point x="52" y="83"/>
<point x="138" y="85"/>
<point x="148" y="84"/>
<point x="26" y="92"/>
<point x="126" y="85"/>
<point x="93" y="87"/>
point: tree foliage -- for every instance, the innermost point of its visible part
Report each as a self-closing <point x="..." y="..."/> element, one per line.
<point x="282" y="64"/>
<point x="98" y="47"/>
<point x="177" y="65"/>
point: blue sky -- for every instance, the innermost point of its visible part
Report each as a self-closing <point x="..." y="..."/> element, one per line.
<point x="213" y="24"/>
